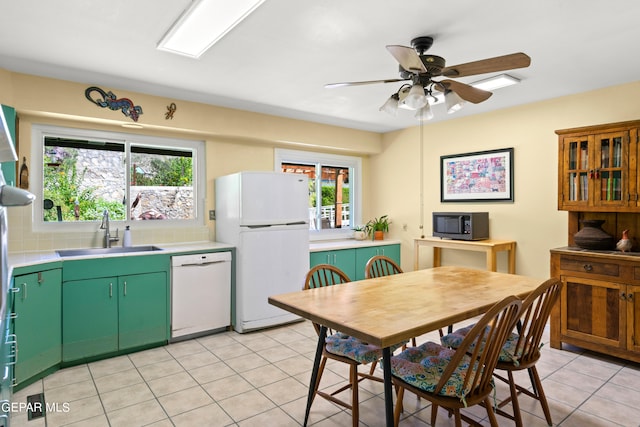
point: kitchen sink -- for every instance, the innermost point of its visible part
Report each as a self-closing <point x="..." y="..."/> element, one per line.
<point x="106" y="251"/>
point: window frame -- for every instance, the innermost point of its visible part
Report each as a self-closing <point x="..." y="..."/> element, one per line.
<point x="354" y="164"/>
<point x="38" y="133"/>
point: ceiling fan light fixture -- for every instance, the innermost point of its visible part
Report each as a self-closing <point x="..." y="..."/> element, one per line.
<point x="424" y="113"/>
<point x="391" y="105"/>
<point x="416" y="98"/>
<point x="453" y="102"/>
<point x="495" y="82"/>
<point x="203" y="23"/>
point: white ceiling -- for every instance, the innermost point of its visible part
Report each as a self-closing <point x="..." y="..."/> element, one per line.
<point x="278" y="60"/>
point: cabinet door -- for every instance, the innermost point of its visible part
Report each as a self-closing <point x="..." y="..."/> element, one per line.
<point x="593" y="311"/>
<point x="89" y="317"/>
<point x="575" y="172"/>
<point x="9" y="168"/>
<point x="632" y="298"/>
<point x="363" y="255"/>
<point x="143" y="309"/>
<point x="316" y="258"/>
<point x="344" y="259"/>
<point x="37" y="326"/>
<point x="611" y="183"/>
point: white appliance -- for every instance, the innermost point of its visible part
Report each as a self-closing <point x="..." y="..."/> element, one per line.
<point x="265" y="215"/>
<point x="200" y="293"/>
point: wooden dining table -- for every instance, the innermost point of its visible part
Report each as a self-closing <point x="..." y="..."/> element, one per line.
<point x="388" y="310"/>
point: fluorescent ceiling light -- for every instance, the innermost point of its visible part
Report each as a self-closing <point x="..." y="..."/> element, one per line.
<point x="203" y="23"/>
<point x="495" y="82"/>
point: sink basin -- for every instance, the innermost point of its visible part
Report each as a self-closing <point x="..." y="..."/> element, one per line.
<point x="106" y="251"/>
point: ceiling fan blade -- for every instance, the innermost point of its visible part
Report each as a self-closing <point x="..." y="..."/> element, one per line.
<point x="408" y="58"/>
<point x="489" y="65"/>
<point x="369" y="82"/>
<point x="465" y="91"/>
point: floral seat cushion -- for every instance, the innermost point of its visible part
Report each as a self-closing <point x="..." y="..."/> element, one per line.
<point x="423" y="366"/>
<point x="454" y="339"/>
<point x="348" y="346"/>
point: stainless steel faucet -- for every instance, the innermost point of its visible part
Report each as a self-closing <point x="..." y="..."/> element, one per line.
<point x="107" y="232"/>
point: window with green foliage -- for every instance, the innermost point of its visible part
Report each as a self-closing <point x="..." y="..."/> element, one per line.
<point x="134" y="178"/>
<point x="334" y="181"/>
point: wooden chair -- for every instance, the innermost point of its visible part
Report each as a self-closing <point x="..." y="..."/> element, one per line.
<point x="536" y="309"/>
<point x="459" y="378"/>
<point x="522" y="348"/>
<point x="341" y="347"/>
<point x="379" y="266"/>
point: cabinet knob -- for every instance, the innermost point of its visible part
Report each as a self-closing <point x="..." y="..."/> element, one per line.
<point x="587" y="267"/>
<point x="623" y="296"/>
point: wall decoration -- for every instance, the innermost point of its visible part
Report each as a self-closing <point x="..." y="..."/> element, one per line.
<point x="478" y="176"/>
<point x="171" y="108"/>
<point x="109" y="99"/>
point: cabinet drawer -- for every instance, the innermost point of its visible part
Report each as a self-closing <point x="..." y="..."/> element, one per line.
<point x="589" y="266"/>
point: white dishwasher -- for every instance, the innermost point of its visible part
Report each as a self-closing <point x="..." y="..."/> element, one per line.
<point x="200" y="293"/>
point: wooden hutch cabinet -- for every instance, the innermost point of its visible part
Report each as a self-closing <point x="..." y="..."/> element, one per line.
<point x="599" y="178"/>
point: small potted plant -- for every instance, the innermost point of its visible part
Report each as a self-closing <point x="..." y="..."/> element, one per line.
<point x="359" y="232"/>
<point x="377" y="227"/>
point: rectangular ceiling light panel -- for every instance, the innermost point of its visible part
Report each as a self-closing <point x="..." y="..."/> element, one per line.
<point x="495" y="82"/>
<point x="203" y="23"/>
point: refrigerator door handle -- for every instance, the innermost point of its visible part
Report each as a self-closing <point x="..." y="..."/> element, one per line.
<point x="296" y="223"/>
<point x="259" y="226"/>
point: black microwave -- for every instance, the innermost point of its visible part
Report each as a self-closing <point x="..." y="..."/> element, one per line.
<point x="461" y="225"/>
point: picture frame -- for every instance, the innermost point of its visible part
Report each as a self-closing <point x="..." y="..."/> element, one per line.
<point x="481" y="176"/>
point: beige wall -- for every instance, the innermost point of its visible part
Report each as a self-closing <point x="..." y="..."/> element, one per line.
<point x="235" y="140"/>
<point x="533" y="219"/>
<point x="238" y="140"/>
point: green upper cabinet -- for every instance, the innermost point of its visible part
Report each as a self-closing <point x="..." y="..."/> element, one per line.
<point x="9" y="168"/>
<point x="37" y="323"/>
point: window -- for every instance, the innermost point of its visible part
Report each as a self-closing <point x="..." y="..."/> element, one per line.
<point x="334" y="189"/>
<point x="134" y="178"/>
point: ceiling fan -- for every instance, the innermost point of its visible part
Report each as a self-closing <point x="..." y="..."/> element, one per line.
<point x="420" y="69"/>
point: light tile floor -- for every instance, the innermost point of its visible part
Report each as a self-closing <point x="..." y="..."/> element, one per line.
<point x="261" y="379"/>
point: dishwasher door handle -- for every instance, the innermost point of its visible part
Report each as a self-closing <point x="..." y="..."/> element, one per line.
<point x="202" y="264"/>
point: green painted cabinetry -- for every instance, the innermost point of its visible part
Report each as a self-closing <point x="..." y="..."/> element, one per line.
<point x="89" y="317"/>
<point x="142" y="309"/>
<point x="103" y="313"/>
<point x="363" y="255"/>
<point x="37" y="322"/>
<point x="344" y="259"/>
<point x="353" y="260"/>
<point x="9" y="168"/>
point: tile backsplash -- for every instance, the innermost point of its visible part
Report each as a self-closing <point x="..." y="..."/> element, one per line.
<point x="22" y="238"/>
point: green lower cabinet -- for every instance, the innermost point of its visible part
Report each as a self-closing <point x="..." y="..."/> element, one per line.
<point x="363" y="255"/>
<point x="106" y="315"/>
<point x="344" y="259"/>
<point x="89" y="318"/>
<point x="353" y="261"/>
<point x="37" y="323"/>
<point x="143" y="301"/>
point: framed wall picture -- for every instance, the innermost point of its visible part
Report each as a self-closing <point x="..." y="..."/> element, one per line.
<point x="474" y="177"/>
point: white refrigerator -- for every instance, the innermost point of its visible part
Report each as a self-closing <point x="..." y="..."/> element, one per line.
<point x="265" y="215"/>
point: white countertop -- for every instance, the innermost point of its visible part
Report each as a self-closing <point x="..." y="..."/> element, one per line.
<point x="22" y="259"/>
<point x="329" y="245"/>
